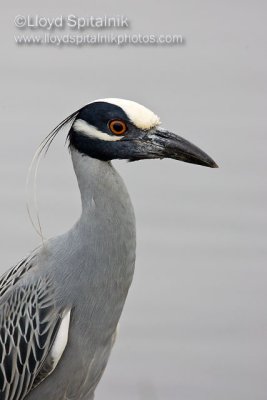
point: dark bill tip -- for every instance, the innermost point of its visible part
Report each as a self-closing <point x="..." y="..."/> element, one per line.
<point x="181" y="149"/>
<point x="214" y="165"/>
<point x="199" y="157"/>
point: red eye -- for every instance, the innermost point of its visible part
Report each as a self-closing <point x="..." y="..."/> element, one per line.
<point x="117" y="126"/>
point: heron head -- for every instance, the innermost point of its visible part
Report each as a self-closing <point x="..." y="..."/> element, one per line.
<point x="121" y="129"/>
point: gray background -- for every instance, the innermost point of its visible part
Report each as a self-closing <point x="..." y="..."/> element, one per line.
<point x="195" y="323"/>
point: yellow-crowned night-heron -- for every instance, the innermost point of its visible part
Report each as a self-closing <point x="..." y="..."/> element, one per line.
<point x="59" y="308"/>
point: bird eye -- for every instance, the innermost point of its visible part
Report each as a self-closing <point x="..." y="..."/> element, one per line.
<point x="117" y="127"/>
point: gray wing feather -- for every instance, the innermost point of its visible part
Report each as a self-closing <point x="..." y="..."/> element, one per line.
<point x="29" y="323"/>
<point x="12" y="276"/>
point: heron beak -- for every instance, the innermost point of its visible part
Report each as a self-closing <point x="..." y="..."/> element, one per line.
<point x="178" y="148"/>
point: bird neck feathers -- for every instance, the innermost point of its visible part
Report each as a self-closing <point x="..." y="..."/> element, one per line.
<point x="100" y="184"/>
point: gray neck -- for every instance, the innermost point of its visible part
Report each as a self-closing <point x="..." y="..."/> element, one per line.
<point x="98" y="253"/>
<point x="101" y="188"/>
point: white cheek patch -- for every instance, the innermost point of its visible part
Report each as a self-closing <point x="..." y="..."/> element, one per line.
<point x="89" y="130"/>
<point x="141" y="117"/>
